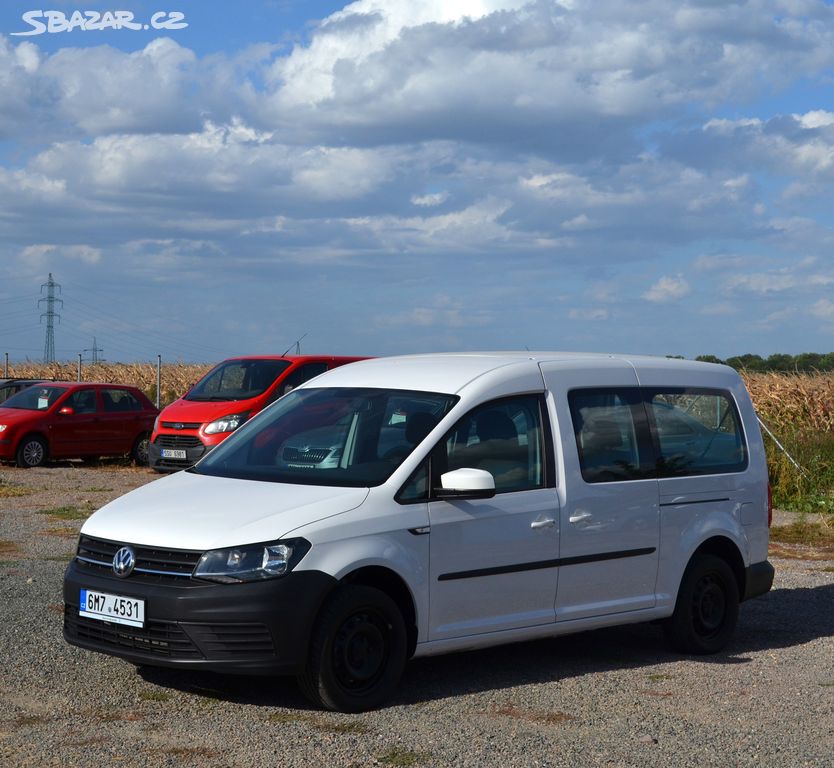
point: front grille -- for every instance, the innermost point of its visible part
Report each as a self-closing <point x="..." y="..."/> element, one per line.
<point x="172" y="566"/>
<point x="305" y="455"/>
<point x="174" y="640"/>
<point x="182" y="424"/>
<point x="156" y="638"/>
<point x="177" y="441"/>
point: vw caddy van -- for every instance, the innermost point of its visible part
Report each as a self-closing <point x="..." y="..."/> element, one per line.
<point x="418" y="505"/>
<point x="229" y="394"/>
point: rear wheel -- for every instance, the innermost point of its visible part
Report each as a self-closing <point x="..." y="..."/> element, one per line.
<point x="139" y="454"/>
<point x="707" y="607"/>
<point x="358" y="651"/>
<point x="31" y="452"/>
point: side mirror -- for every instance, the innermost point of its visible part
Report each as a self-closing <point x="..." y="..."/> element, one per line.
<point x="466" y="483"/>
<point x="67" y="410"/>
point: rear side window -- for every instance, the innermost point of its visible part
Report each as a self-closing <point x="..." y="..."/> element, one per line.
<point x="698" y="432"/>
<point x="609" y="426"/>
<point x="119" y="400"/>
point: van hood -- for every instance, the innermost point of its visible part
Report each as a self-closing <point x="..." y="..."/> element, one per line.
<point x="190" y="511"/>
<point x="204" y="410"/>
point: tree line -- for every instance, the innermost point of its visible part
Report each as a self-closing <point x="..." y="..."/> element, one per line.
<point x="804" y="362"/>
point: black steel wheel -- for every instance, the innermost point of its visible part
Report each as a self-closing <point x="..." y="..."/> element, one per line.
<point x="358" y="651"/>
<point x="706" y="610"/>
<point x="31" y="452"/>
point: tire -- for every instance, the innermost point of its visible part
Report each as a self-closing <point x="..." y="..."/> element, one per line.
<point x="357" y="651"/>
<point x="31" y="452"/>
<point x="139" y="452"/>
<point x="706" y="610"/>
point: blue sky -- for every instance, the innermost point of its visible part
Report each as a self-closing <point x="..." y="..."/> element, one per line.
<point x="399" y="176"/>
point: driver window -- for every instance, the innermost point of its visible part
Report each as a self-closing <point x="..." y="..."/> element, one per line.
<point x="503" y="437"/>
<point x="82" y="401"/>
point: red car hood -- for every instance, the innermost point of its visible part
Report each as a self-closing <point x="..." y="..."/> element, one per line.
<point x="12" y="415"/>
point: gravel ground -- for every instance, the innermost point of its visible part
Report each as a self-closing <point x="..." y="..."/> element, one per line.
<point x="608" y="698"/>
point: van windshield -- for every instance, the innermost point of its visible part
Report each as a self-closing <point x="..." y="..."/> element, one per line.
<point x="237" y="380"/>
<point x="351" y="437"/>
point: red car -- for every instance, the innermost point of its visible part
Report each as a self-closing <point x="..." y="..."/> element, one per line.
<point x="227" y="396"/>
<point x="68" y="420"/>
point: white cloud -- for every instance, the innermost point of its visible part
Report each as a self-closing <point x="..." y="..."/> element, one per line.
<point x="667" y="289"/>
<point x="823" y="309"/>
<point x="430" y="200"/>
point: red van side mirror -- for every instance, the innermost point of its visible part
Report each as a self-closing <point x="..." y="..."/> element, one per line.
<point x="67" y="410"/>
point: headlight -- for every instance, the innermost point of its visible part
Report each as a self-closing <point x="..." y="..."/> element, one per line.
<point x="226" y="423"/>
<point x="2" y="427"/>
<point x="252" y="562"/>
<point x="156" y="424"/>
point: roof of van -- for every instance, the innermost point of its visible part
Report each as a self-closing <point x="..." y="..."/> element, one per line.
<point x="451" y="371"/>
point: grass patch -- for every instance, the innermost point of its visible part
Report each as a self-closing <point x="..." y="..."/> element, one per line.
<point x="59" y="558"/>
<point x="154" y="696"/>
<point x="68" y="513"/>
<point x="803" y="532"/>
<point x="8" y="548"/>
<point x="545" y="718"/>
<point x="62" y="533"/>
<point x="402" y="757"/>
<point x="13" y="491"/>
<point x="827" y="569"/>
<point x="319" y="723"/>
<point x="24" y="721"/>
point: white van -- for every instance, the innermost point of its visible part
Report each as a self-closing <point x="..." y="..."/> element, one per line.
<point x="403" y="507"/>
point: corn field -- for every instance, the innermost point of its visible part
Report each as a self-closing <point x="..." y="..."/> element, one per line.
<point x="786" y="401"/>
<point x="175" y="378"/>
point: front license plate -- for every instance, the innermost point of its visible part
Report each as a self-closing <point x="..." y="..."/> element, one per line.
<point x="114" y="608"/>
<point x="172" y="453"/>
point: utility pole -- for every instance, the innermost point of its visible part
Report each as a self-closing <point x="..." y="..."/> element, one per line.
<point x="95" y="350"/>
<point x="50" y="315"/>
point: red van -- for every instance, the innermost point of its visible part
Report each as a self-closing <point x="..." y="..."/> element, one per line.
<point x="229" y="394"/>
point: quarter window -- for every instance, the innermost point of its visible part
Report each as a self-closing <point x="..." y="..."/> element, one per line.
<point x="698" y="432"/>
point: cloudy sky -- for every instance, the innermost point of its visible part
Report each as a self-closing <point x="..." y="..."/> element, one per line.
<point x="392" y="176"/>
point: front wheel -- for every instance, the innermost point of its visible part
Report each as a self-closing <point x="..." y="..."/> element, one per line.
<point x="707" y="607"/>
<point x="31" y="452"/>
<point x="357" y="652"/>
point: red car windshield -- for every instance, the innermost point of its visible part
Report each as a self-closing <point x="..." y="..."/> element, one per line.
<point x="34" y="398"/>
<point x="237" y="380"/>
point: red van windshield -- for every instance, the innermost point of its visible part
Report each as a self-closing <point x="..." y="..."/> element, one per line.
<point x="237" y="380"/>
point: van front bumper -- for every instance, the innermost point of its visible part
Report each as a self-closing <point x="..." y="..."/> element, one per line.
<point x="193" y="453"/>
<point x="251" y="628"/>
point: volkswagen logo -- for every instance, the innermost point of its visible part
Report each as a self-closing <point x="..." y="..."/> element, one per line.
<point x="123" y="562"/>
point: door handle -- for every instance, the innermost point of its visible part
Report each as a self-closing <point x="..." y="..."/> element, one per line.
<point x="578" y="517"/>
<point x="548" y="523"/>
